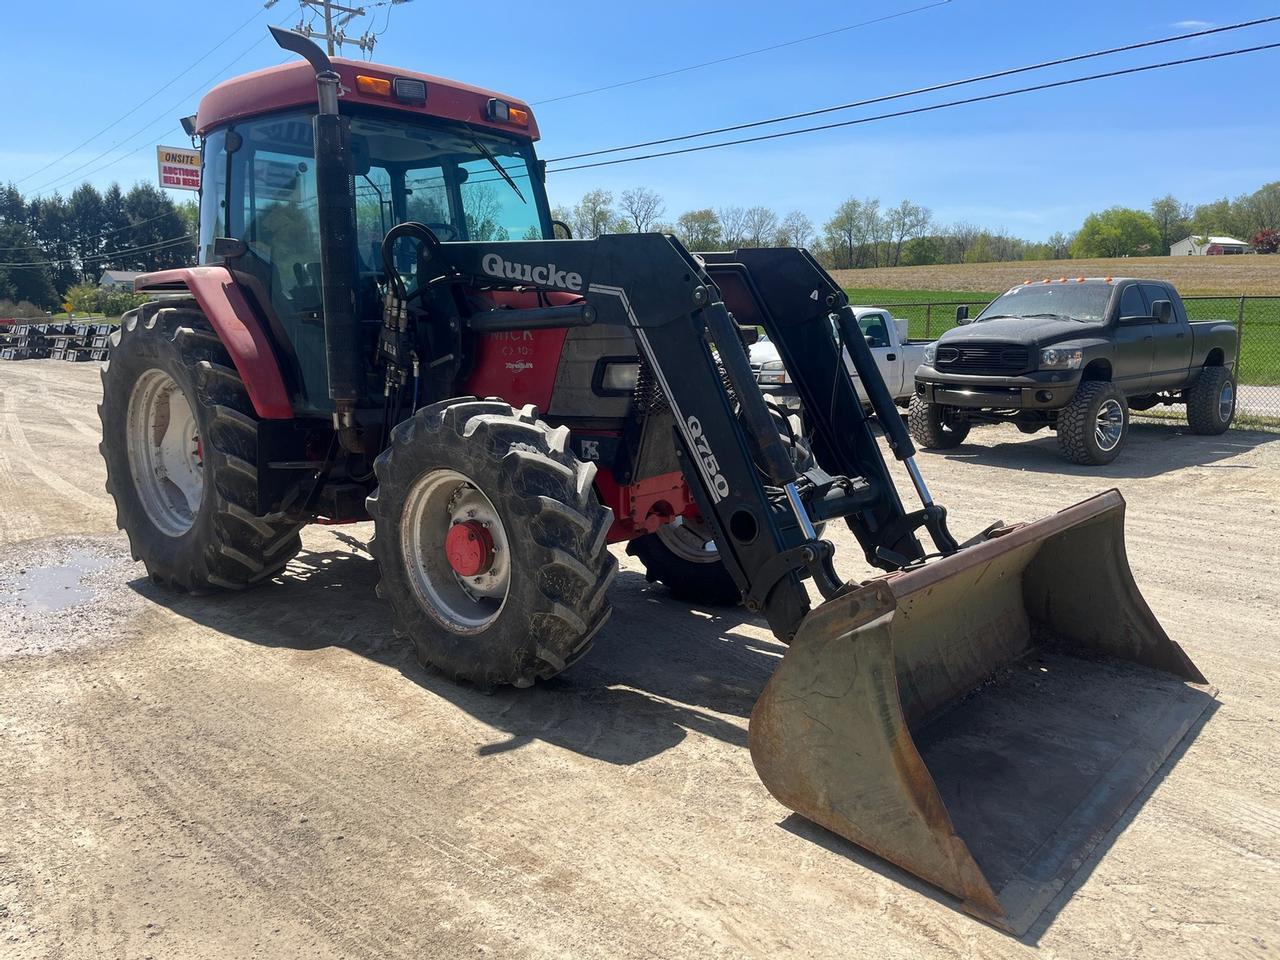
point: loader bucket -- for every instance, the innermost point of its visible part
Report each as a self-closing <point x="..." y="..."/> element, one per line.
<point x="983" y="720"/>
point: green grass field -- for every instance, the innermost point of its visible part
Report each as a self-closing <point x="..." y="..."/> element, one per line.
<point x="1259" y="349"/>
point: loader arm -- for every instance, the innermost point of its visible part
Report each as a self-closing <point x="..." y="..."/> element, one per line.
<point x="727" y="441"/>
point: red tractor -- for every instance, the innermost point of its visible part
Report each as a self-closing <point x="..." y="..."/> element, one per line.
<point x="383" y="328"/>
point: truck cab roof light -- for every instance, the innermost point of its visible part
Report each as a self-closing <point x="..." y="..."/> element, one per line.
<point x="408" y="90"/>
<point x="499" y="111"/>
<point x="375" y="86"/>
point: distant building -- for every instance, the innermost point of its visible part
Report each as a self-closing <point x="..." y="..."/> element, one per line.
<point x="118" y="279"/>
<point x="1207" y="247"/>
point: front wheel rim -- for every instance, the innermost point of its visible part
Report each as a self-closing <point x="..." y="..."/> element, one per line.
<point x="438" y="501"/>
<point x="1108" y="425"/>
<point x="1226" y="401"/>
<point x="166" y="456"/>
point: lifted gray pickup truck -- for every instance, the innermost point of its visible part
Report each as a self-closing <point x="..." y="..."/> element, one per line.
<point x="1075" y="356"/>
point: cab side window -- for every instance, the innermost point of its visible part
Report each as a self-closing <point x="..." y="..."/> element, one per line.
<point x="873" y="328"/>
<point x="1132" y="303"/>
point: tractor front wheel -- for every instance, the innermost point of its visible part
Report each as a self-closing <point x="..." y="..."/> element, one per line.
<point x="491" y="542"/>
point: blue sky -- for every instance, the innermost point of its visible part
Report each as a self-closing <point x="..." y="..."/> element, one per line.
<point x="1032" y="164"/>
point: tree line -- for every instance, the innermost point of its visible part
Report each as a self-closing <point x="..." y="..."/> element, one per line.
<point x="49" y="245"/>
<point x="864" y="232"/>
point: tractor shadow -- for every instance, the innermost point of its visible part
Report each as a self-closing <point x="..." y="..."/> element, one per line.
<point x="657" y="670"/>
<point x="1152" y="450"/>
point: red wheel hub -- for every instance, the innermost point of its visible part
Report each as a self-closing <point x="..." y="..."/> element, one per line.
<point x="469" y="548"/>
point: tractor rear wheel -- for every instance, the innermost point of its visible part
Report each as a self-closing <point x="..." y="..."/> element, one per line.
<point x="180" y="441"/>
<point x="491" y="542"/>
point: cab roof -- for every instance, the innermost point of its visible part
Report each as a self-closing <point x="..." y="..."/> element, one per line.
<point x="294" y="85"/>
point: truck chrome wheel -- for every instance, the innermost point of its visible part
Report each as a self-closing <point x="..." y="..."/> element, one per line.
<point x="1108" y="426"/>
<point x="165" y="453"/>
<point x="689" y="540"/>
<point x="455" y="551"/>
<point x="1226" y="401"/>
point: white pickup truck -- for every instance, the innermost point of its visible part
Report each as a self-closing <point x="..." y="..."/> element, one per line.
<point x="896" y="356"/>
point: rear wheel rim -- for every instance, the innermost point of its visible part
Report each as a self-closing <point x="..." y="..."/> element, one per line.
<point x="1108" y="425"/>
<point x="689" y="540"/>
<point x="166" y="457"/>
<point x="436" y="502"/>
<point x="1226" y="401"/>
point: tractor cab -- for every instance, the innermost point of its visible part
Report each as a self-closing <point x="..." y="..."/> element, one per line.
<point x="458" y="159"/>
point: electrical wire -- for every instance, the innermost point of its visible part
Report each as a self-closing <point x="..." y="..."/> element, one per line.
<point x="930" y="89"/>
<point x="926" y="109"/>
<point x="101" y="236"/>
<point x="74" y="174"/>
<point x="740" y="56"/>
<point x="191" y="66"/>
<point x="71" y="262"/>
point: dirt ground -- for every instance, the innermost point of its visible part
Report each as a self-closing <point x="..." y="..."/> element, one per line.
<point x="271" y="774"/>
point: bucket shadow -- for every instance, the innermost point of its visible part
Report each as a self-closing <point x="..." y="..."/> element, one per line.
<point x="657" y="670"/>
<point x="814" y="833"/>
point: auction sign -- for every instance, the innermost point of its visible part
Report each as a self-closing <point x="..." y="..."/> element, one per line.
<point x="179" y="167"/>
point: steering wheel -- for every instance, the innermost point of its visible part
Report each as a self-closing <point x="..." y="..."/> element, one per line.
<point x="444" y="231"/>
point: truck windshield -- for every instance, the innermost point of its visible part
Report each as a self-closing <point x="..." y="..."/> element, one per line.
<point x="260" y="187"/>
<point x="444" y="175"/>
<point x="1076" y="301"/>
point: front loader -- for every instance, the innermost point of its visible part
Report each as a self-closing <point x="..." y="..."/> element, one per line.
<point x="382" y="328"/>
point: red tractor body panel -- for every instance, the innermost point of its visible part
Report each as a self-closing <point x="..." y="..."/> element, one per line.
<point x="519" y="366"/>
<point x="224" y="303"/>
<point x="645" y="505"/>
<point x="294" y="85"/>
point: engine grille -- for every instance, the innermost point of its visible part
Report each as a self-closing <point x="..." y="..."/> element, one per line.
<point x="997" y="358"/>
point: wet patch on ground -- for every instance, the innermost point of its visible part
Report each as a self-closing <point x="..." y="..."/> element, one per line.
<point x="64" y="593"/>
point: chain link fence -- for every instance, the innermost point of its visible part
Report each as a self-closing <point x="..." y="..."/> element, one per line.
<point x="1257" y="319"/>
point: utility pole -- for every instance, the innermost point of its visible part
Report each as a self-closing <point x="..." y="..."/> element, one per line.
<point x="336" y="17"/>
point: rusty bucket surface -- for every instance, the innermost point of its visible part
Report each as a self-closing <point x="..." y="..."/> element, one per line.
<point x="982" y="721"/>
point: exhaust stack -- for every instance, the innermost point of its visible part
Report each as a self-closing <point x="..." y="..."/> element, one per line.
<point x="336" y="214"/>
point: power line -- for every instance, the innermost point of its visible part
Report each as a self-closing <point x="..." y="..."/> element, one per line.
<point x="113" y="255"/>
<point x="101" y="236"/>
<point x="191" y="66"/>
<point x="740" y="56"/>
<point x="919" y="90"/>
<point x="73" y="174"/>
<point x="925" y="109"/>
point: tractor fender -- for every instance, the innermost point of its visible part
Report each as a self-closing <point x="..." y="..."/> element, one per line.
<point x="237" y="326"/>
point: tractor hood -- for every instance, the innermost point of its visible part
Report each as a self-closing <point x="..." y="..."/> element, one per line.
<point x="1026" y="331"/>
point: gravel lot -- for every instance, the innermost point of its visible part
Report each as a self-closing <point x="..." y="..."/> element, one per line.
<point x="271" y="774"/>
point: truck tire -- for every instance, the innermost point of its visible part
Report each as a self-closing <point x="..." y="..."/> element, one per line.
<point x="934" y="427"/>
<point x="682" y="554"/>
<point x="180" y="441"/>
<point x="1211" y="401"/>
<point x="491" y="543"/>
<point x="1092" y="428"/>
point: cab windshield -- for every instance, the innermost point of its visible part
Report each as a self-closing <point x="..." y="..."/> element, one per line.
<point x="260" y="187"/>
<point x="1086" y="302"/>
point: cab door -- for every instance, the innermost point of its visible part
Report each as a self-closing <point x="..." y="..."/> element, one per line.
<point x="875" y="329"/>
<point x="1173" y="341"/>
<point x="1135" y="342"/>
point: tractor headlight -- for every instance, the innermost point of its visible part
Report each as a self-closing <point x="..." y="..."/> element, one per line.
<point x="930" y="351"/>
<point x="773" y="373"/>
<point x="1056" y="358"/>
